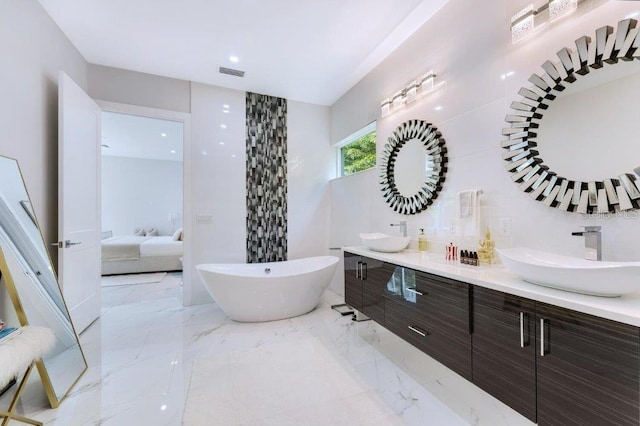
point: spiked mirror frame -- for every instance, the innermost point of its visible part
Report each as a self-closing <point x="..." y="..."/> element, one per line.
<point x="434" y="146"/>
<point x="523" y="160"/>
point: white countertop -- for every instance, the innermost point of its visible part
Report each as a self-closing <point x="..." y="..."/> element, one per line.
<point x="625" y="309"/>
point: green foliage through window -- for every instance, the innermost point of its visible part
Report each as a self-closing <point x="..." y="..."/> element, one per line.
<point x="359" y="155"/>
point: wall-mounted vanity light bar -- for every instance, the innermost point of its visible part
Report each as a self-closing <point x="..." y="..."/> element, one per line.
<point x="525" y="22"/>
<point x="408" y="94"/>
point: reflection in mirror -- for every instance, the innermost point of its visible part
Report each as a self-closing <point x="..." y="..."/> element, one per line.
<point x="413" y="167"/>
<point x="410" y="168"/>
<point x="30" y="279"/>
<point x="596" y="114"/>
<point x="597" y="73"/>
<point x="403" y="283"/>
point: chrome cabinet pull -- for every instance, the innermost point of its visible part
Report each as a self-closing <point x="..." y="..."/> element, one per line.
<point x="357" y="266"/>
<point x="413" y="290"/>
<point x="522" y="329"/>
<point x="418" y="331"/>
<point x="541" y="336"/>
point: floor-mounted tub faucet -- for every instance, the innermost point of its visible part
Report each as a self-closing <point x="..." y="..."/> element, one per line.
<point x="592" y="242"/>
<point x="403" y="227"/>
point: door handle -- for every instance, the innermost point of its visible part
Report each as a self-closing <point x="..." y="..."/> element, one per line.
<point x="413" y="290"/>
<point x="522" y="329"/>
<point x="65" y="243"/>
<point x="357" y="272"/>
<point x="418" y="331"/>
<point x="542" y="351"/>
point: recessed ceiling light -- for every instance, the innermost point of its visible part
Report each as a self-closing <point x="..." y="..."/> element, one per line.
<point x="234" y="59"/>
<point x="438" y="108"/>
<point x="226" y="111"/>
<point x="164" y="135"/>
<point x="173" y="151"/>
<point x="233" y="156"/>
<point x="205" y="153"/>
<point x="225" y="106"/>
<point x="163" y="407"/>
<point x="221" y="143"/>
<point x="224" y="126"/>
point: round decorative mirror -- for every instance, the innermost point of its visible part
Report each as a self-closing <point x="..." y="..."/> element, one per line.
<point x="589" y="127"/>
<point x="414" y="163"/>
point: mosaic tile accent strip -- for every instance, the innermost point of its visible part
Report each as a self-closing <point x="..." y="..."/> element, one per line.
<point x="266" y="178"/>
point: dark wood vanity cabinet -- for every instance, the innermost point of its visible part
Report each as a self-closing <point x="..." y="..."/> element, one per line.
<point x="504" y="348"/>
<point x="553" y="365"/>
<point x="588" y="369"/>
<point x="365" y="281"/>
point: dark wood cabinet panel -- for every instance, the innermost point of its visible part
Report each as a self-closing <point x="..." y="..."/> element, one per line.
<point x="438" y="308"/>
<point x="504" y="359"/>
<point x="373" y="305"/>
<point x="588" y="369"/>
<point x="352" y="281"/>
<point x="364" y="282"/>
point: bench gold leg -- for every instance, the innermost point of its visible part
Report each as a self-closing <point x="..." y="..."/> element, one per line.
<point x="12" y="416"/>
<point x="8" y="415"/>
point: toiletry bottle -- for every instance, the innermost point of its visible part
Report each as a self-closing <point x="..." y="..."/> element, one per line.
<point x="422" y="241"/>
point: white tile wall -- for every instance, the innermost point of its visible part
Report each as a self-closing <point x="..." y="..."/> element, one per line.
<point x="217" y="179"/>
<point x="468" y="45"/>
<point x="310" y="165"/>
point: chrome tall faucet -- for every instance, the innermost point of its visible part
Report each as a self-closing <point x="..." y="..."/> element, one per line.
<point x="592" y="242"/>
<point x="403" y="227"/>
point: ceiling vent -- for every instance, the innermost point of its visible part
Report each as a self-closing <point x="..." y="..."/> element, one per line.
<point x="230" y="71"/>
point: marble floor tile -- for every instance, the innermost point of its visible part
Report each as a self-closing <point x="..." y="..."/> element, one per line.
<point x="323" y="369"/>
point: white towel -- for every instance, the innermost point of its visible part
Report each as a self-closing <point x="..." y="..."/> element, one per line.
<point x="468" y="213"/>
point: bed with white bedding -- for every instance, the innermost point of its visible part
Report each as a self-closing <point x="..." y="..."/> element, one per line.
<point x="132" y="254"/>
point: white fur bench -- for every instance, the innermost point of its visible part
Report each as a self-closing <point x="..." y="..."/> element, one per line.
<point x="18" y="353"/>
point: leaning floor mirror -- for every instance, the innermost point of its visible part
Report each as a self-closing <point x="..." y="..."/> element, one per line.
<point x="31" y="283"/>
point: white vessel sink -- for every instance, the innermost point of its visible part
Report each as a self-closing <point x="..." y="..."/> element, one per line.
<point x="384" y="243"/>
<point x="608" y="279"/>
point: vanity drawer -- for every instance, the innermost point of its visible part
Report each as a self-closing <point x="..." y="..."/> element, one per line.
<point x="434" y="335"/>
<point x="441" y="301"/>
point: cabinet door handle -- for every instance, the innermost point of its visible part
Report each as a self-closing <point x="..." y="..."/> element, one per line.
<point x="541" y="336"/>
<point x="413" y="290"/>
<point x="418" y="331"/>
<point x="363" y="271"/>
<point x="358" y="266"/>
<point x="522" y="329"/>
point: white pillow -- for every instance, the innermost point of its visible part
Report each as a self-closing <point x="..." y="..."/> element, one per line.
<point x="138" y="232"/>
<point x="152" y="233"/>
<point x="177" y="236"/>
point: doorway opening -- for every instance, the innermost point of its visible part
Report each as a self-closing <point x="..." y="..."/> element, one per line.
<point x="142" y="193"/>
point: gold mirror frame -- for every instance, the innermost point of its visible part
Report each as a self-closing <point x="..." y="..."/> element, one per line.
<point x="524" y="162"/>
<point x="14" y="294"/>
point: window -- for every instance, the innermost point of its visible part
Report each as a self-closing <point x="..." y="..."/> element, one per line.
<point x="358" y="151"/>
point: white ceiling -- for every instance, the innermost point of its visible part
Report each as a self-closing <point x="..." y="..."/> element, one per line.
<point x="306" y="50"/>
<point x="141" y="137"/>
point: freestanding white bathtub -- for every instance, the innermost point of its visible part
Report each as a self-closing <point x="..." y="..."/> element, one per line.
<point x="257" y="292"/>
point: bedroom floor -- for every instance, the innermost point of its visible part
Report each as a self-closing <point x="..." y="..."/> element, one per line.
<point x="144" y="348"/>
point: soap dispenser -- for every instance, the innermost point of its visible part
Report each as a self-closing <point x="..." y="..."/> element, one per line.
<point x="422" y="241"/>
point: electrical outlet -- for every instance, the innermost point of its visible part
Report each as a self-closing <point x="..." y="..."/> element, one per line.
<point x="505" y="227"/>
<point x="204" y="218"/>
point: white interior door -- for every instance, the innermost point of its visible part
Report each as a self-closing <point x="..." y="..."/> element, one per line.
<point x="79" y="202"/>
